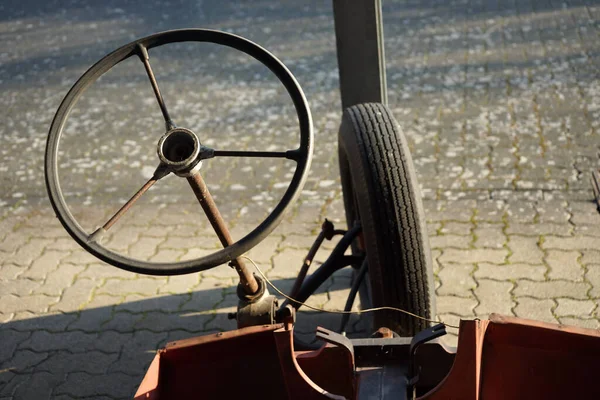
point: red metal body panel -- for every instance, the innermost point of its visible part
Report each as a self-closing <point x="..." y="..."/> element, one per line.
<point x="513" y="358"/>
<point x="253" y="362"/>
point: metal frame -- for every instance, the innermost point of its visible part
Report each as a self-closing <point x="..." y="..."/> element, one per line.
<point x="360" y="52"/>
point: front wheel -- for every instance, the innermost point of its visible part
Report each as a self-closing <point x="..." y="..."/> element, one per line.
<point x="381" y="191"/>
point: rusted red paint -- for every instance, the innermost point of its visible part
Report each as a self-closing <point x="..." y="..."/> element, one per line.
<point x="513" y="358"/>
<point x="247" y="363"/>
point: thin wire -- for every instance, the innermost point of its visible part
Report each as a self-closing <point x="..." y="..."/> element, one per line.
<point x="340" y="311"/>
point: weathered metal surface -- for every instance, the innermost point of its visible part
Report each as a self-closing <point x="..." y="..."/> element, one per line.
<point x="360" y="53"/>
<point x="247" y="280"/>
<point x="513" y="358"/>
<point x="251" y="362"/>
<point x="259" y="312"/>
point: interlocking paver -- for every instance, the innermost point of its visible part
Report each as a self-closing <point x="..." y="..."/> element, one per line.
<point x="569" y="307"/>
<point x="552" y="289"/>
<point x="494" y="297"/>
<point x="75" y="296"/>
<point x="496" y="256"/>
<point x="510" y="271"/>
<point x="538" y="309"/>
<point x="456" y="279"/>
<point x="447" y="241"/>
<point x="143" y="286"/>
<point x="524" y="250"/>
<point x="564" y="265"/>
<point x="462" y="306"/>
<point x="573" y="243"/>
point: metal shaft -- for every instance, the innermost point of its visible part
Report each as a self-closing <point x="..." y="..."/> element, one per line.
<point x="247" y="280"/>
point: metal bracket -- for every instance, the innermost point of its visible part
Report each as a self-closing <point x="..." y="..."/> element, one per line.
<point x="336" y="339"/>
<point x="424" y="336"/>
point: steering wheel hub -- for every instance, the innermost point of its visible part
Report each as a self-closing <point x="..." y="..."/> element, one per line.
<point x="178" y="151"/>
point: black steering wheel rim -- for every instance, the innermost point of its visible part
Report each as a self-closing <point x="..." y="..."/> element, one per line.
<point x="302" y="155"/>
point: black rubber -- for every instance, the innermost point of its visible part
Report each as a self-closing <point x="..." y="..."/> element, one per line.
<point x="381" y="190"/>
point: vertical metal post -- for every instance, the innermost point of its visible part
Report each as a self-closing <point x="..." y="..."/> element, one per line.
<point x="361" y="60"/>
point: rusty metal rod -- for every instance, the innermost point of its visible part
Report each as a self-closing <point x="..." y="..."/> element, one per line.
<point x="143" y="54"/>
<point x="247" y="280"/>
<point x="130" y="203"/>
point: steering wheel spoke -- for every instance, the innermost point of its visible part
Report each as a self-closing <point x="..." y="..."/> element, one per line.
<point x="160" y="172"/>
<point x="289" y="154"/>
<point x="145" y="58"/>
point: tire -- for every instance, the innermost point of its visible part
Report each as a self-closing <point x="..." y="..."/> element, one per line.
<point x="380" y="190"/>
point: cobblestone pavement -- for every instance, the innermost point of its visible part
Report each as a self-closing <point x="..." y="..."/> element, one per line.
<point x="500" y="102"/>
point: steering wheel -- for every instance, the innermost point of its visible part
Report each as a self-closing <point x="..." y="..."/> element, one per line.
<point x="181" y="152"/>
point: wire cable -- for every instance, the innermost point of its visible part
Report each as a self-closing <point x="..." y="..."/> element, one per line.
<point x="340" y="311"/>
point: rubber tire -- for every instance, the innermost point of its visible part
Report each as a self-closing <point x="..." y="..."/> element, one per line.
<point x="380" y="189"/>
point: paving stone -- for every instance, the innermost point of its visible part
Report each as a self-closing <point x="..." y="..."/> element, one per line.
<point x="584" y="213"/>
<point x="582" y="323"/>
<point x="24" y="361"/>
<point x="539" y="229"/>
<point x="18" y="286"/>
<point x="10" y="341"/>
<point x="525" y="250"/>
<point x="76" y="342"/>
<point x="572" y="243"/>
<point x="590" y="257"/>
<point x="564" y="265"/>
<point x="49" y="321"/>
<point x="496" y="256"/>
<point x="134" y="303"/>
<point x="44" y="264"/>
<point x="63" y="244"/>
<point x="489" y="235"/>
<point x="592" y="275"/>
<point x="491" y="211"/>
<point x="462" y="306"/>
<point x="123" y="237"/>
<point x="162" y="322"/>
<point x="144" y="248"/>
<point x="553" y="212"/>
<point x="456" y="280"/>
<point x="99" y="271"/>
<point x="540" y="310"/>
<point x="39" y="385"/>
<point x="510" y="271"/>
<point x="93" y="362"/>
<point x="287" y="263"/>
<point x="551" y="289"/>
<point x="220" y="319"/>
<point x="36" y="303"/>
<point x="122" y="322"/>
<point x="138" y="352"/>
<point x="143" y="286"/>
<point x="457" y="228"/>
<point x="263" y="253"/>
<point x="9" y="272"/>
<point x="80" y="257"/>
<point x="81" y="384"/>
<point x="180" y="283"/>
<point x="579" y="308"/>
<point x="521" y="212"/>
<point x="58" y="279"/>
<point x="75" y="296"/>
<point x="587" y="230"/>
<point x="494" y="297"/>
<point x="447" y="241"/>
